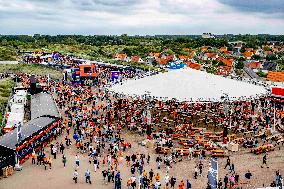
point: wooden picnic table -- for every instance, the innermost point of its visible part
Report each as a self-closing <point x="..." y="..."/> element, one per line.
<point x="248" y="133"/>
<point x="196" y="152"/>
<point x="219" y="133"/>
<point x="182" y="151"/>
<point x="217" y="153"/>
<point x="215" y="138"/>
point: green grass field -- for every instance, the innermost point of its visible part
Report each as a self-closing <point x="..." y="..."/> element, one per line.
<point x="6" y="86"/>
<point x="31" y="69"/>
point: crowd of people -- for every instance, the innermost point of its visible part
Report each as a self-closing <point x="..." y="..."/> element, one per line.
<point x="94" y="118"/>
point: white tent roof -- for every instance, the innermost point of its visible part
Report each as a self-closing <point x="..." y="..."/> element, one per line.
<point x="188" y="84"/>
<point x="14" y="118"/>
<point x="17" y="108"/>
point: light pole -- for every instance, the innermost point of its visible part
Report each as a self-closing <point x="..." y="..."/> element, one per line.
<point x="147" y="113"/>
<point x="225" y="99"/>
<point x="274" y="116"/>
<point x="18" y="167"/>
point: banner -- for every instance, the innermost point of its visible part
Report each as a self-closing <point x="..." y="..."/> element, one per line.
<point x="277" y="91"/>
<point x="19" y="133"/>
<point x="174" y="66"/>
<point x="213" y="174"/>
<point x="115" y="76"/>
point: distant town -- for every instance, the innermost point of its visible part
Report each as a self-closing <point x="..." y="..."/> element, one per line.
<point x="254" y="56"/>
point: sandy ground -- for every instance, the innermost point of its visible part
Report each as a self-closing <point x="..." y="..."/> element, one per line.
<point x="33" y="176"/>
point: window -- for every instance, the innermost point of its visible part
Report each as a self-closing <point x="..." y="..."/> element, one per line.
<point x="87" y="70"/>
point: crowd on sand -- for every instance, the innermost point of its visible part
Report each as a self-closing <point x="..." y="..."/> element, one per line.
<point x="94" y="118"/>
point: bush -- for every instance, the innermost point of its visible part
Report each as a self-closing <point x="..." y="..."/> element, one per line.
<point x="261" y="74"/>
<point x="240" y="65"/>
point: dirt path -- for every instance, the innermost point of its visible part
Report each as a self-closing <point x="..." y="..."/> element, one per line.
<point x="33" y="176"/>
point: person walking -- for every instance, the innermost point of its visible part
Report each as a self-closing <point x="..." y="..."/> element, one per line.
<point x="95" y="161"/>
<point x="64" y="160"/>
<point x="88" y="176"/>
<point x="200" y="168"/>
<point x="188" y="184"/>
<point x="151" y="175"/>
<point x="34" y="157"/>
<point x="49" y="162"/>
<point x="232" y="168"/>
<point x="248" y="176"/>
<point x="220" y="184"/>
<point x="158" y="162"/>
<point x="77" y="161"/>
<point x="226" y="181"/>
<point x="181" y="185"/>
<point x="195" y="172"/>
<point x="133" y="181"/>
<point x="75" y="176"/>
<point x="173" y="182"/>
<point x="167" y="179"/>
<point x="117" y="183"/>
<point x="54" y="151"/>
<point x="264" y="160"/>
<point x="61" y="148"/>
<point x="104" y="173"/>
<point x="148" y="159"/>
<point x="228" y="163"/>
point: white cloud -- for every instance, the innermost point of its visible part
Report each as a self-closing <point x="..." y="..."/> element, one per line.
<point x="133" y="17"/>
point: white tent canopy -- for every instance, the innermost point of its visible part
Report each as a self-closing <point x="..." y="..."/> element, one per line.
<point x="188" y="84"/>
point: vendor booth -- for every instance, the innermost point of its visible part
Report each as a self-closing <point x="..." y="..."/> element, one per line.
<point x="45" y="119"/>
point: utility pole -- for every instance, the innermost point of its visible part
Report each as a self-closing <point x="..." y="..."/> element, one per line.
<point x="274" y="116"/>
<point x="18" y="167"/>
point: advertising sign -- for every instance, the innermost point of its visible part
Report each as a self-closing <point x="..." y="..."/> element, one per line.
<point x="115" y="76"/>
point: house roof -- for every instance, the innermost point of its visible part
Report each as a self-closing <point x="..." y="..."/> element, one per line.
<point x="156" y="55"/>
<point x="268" y="52"/>
<point x="239" y="45"/>
<point x="194" y="65"/>
<point x="223" y="49"/>
<point x="135" y="58"/>
<point x="162" y="61"/>
<point x="224" y="70"/>
<point x="269" y="66"/>
<point x="275" y="76"/>
<point x="211" y="55"/>
<point x="183" y="57"/>
<point x="250" y="73"/>
<point x="121" y="56"/>
<point x="204" y="49"/>
<point x="248" y="49"/>
<point x="228" y="52"/>
<point x="226" y="62"/>
<point x="254" y="65"/>
<point x="42" y="104"/>
<point x="248" y="54"/>
<point x="9" y="140"/>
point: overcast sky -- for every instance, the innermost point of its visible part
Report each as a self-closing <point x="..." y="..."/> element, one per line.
<point x="143" y="17"/>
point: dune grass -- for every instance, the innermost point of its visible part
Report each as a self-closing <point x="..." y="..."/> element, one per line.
<point x="6" y="86"/>
<point x="31" y="69"/>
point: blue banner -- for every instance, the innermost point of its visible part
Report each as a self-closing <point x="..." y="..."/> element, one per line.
<point x="213" y="174"/>
<point x="115" y="76"/>
<point x="174" y="66"/>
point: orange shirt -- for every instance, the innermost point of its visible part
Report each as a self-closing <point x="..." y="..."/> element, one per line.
<point x="157" y="177"/>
